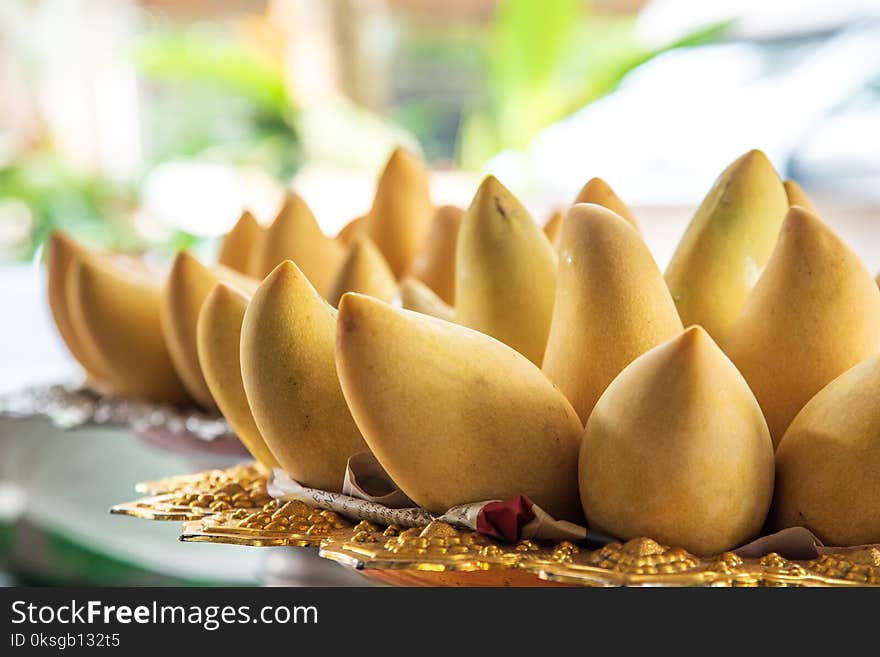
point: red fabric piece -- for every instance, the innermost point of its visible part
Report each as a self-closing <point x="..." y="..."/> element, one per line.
<point x="504" y="520"/>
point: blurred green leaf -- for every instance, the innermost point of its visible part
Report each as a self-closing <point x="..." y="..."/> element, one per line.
<point x="208" y="96"/>
<point x="95" y="209"/>
<point x="528" y="40"/>
<point x="213" y="97"/>
<point x="193" y="58"/>
<point x="528" y="43"/>
<point x="546" y="60"/>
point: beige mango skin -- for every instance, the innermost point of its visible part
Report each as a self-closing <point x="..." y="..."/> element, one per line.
<point x="797" y="196"/>
<point x="239" y="247"/>
<point x="63" y="254"/>
<point x="727" y="243"/>
<point x="218" y="339"/>
<point x="188" y="285"/>
<point x="289" y="376"/>
<point x="813" y="314"/>
<point x="612" y="305"/>
<point x="351" y="231"/>
<point x="505" y="272"/>
<point x="435" y="264"/>
<point x="398" y="219"/>
<point x="676" y="449"/>
<point x="415" y="295"/>
<point x="295" y="235"/>
<point x="115" y="308"/>
<point x="599" y="192"/>
<point x="364" y="270"/>
<point x="453" y="415"/>
<point x="553" y="226"/>
<point x="827" y="463"/>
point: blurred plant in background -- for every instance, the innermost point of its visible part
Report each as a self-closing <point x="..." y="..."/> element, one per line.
<point x="193" y="74"/>
<point x="202" y="108"/>
<point x="38" y="193"/>
<point x="203" y="94"/>
<point x="546" y="60"/>
<point x="188" y="78"/>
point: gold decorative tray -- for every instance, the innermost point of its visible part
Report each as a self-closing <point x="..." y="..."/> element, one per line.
<point x="436" y="555"/>
<point x="441" y="555"/>
<point x="190" y="497"/>
<point x="644" y="562"/>
<point x="243" y="475"/>
<point x="277" y="523"/>
<point x="232" y="506"/>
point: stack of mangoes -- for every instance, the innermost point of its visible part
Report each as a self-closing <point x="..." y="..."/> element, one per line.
<point x="479" y="356"/>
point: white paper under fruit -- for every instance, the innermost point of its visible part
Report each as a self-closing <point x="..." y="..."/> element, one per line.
<point x="394" y="508"/>
<point x="365" y="476"/>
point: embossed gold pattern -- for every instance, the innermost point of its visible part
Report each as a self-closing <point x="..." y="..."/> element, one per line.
<point x="639" y="562"/>
<point x="436" y="555"/>
<point x="242" y="474"/>
<point x="232" y="506"/>
<point x="276" y="523"/>
<point x="644" y="562"/>
<point x="190" y="497"/>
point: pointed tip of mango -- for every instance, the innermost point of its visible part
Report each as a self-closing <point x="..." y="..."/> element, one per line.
<point x="553" y="225"/>
<point x="755" y="155"/>
<point x="599" y="192"/>
<point x="754" y="159"/>
<point x="803" y="232"/>
<point x="593" y="221"/>
<point x="184" y="257"/>
<point x="186" y="265"/>
<point x="287" y="274"/>
<point x="694" y="335"/>
<point x="752" y="178"/>
<point x="399" y="152"/>
<point x="351" y="301"/>
<point x="60" y="238"/>
<point x="295" y="214"/>
<point x="183" y="260"/>
<point x="490" y="184"/>
<point x="286" y="269"/>
<point x="693" y="341"/>
<point x="401" y="155"/>
<point x="222" y="296"/>
<point x="800" y="220"/>
<point x="349" y="232"/>
<point x="292" y="207"/>
<point x="364" y="250"/>
<point x="353" y="308"/>
<point x="355" y="302"/>
<point x="403" y="164"/>
<point x="246" y="221"/>
<point x="555" y="217"/>
<point x="595" y="189"/>
<point x="692" y="346"/>
<point x="491" y="197"/>
<point x="60" y="244"/>
<point x="797" y="196"/>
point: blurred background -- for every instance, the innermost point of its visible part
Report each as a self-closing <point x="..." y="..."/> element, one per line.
<point x="151" y="124"/>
